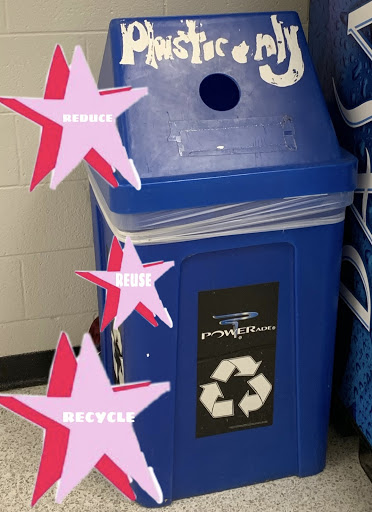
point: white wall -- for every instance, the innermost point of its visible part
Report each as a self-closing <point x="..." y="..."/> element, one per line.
<point x="46" y="235"/>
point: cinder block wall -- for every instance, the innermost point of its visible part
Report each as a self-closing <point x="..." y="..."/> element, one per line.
<point x="46" y="235"/>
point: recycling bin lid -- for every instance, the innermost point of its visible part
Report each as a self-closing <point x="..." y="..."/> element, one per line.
<point x="234" y="112"/>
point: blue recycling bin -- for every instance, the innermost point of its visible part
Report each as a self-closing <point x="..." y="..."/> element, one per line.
<point x="245" y="187"/>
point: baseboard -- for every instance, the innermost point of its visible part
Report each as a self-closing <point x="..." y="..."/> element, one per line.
<point x="25" y="370"/>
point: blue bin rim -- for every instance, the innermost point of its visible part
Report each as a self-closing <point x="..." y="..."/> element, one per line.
<point x="230" y="187"/>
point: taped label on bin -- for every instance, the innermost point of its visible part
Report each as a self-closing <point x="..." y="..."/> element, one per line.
<point x="233" y="136"/>
<point x="236" y="358"/>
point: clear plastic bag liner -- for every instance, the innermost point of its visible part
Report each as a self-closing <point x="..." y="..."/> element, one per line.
<point x="187" y="224"/>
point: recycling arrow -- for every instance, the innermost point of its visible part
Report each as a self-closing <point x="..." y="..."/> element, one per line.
<point x="246" y="365"/>
<point x="262" y="387"/>
<point x="209" y="396"/>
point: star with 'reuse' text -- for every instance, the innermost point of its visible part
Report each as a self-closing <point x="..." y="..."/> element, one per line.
<point x="122" y="301"/>
<point x="71" y="93"/>
<point x="72" y="449"/>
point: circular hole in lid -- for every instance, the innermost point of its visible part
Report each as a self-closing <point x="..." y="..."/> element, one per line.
<point x="219" y="92"/>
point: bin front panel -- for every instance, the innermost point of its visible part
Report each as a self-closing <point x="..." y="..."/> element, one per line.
<point x="232" y="439"/>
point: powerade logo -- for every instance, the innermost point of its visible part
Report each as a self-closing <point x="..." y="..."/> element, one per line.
<point x="236" y="331"/>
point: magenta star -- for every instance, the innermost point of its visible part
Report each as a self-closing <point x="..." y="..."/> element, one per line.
<point x="130" y="296"/>
<point x="92" y="397"/>
<point x="88" y="121"/>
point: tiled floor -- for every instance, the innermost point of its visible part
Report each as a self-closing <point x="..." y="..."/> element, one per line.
<point x="342" y="487"/>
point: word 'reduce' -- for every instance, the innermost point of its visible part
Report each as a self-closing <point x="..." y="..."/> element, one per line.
<point x="88" y="118"/>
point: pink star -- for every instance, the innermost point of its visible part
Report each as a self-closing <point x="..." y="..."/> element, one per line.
<point x="88" y="442"/>
<point x="79" y="138"/>
<point x="130" y="297"/>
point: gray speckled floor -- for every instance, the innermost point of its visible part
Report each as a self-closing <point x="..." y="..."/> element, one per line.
<point x="342" y="487"/>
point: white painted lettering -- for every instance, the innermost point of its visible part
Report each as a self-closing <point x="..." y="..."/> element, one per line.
<point x="68" y="417"/>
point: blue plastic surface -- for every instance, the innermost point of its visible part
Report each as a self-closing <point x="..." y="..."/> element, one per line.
<point x="346" y="67"/>
<point x="273" y="143"/>
<point x="305" y="262"/>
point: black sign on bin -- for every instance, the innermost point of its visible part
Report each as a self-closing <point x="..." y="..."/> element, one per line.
<point x="236" y="358"/>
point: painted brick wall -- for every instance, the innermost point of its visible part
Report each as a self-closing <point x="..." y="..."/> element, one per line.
<point x="46" y="235"/>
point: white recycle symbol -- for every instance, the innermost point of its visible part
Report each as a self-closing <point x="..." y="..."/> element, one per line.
<point x="247" y="367"/>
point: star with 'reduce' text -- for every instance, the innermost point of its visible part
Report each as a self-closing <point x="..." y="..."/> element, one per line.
<point x="64" y="143"/>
